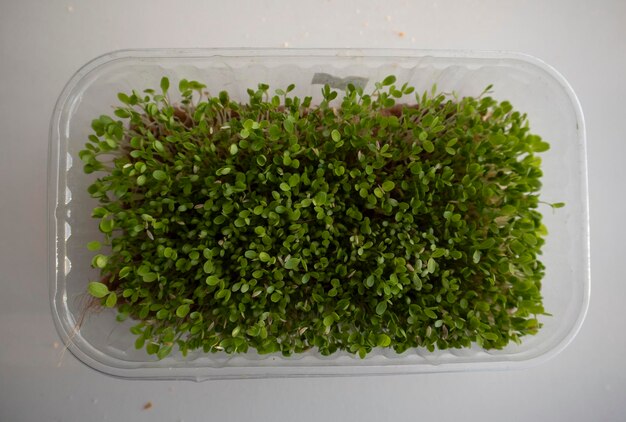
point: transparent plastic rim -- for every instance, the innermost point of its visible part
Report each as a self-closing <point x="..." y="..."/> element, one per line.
<point x="58" y="295"/>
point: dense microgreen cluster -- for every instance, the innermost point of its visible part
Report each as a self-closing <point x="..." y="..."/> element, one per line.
<point x="381" y="219"/>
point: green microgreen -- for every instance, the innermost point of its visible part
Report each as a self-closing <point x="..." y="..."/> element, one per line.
<point x="382" y="219"/>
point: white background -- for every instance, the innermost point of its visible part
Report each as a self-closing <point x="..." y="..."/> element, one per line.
<point x="43" y="42"/>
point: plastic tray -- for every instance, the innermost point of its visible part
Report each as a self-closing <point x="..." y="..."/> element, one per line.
<point x="531" y="86"/>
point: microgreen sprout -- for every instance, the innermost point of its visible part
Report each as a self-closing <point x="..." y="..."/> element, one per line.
<point x="382" y="219"/>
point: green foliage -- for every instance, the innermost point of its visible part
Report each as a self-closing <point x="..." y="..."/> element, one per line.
<point x="97" y="289"/>
<point x="281" y="226"/>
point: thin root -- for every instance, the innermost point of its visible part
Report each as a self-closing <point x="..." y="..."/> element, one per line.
<point x="89" y="304"/>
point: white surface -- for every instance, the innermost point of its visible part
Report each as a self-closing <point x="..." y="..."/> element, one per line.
<point x="43" y="43"/>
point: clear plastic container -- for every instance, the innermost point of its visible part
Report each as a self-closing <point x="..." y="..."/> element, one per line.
<point x="529" y="84"/>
